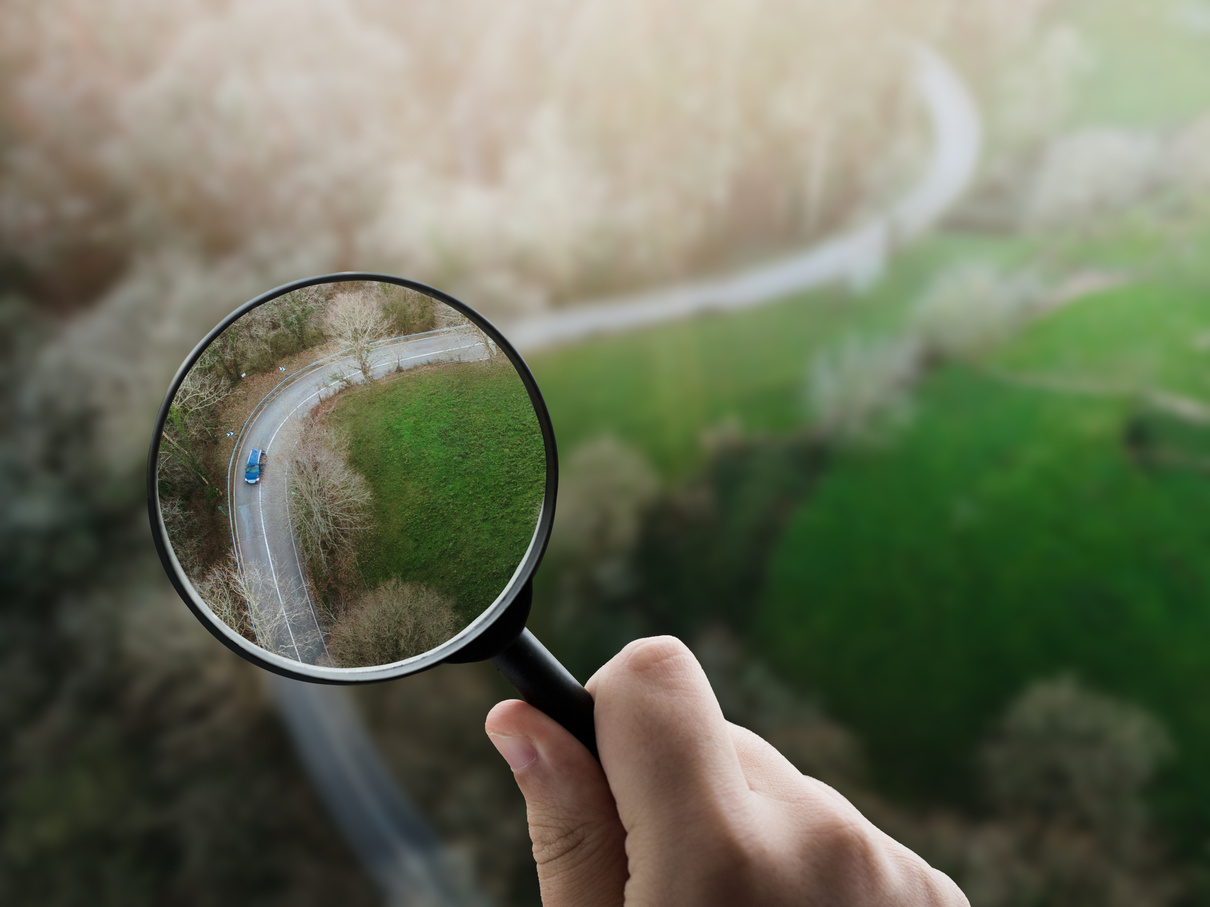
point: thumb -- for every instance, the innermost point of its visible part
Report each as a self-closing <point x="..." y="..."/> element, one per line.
<point x="579" y="843"/>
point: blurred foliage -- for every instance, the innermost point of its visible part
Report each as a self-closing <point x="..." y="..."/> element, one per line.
<point x="144" y="766"/>
<point x="1015" y="489"/>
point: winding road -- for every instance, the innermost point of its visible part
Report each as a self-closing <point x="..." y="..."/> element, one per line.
<point x="855" y="257"/>
<point x="282" y="607"/>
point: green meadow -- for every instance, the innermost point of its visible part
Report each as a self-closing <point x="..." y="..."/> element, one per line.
<point x="455" y="460"/>
<point x="1011" y="533"/>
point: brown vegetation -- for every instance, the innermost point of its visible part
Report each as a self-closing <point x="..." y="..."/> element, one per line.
<point x="235" y="595"/>
<point x="388" y="624"/>
<point x="354" y="318"/>
<point x="329" y="503"/>
<point x="192" y="466"/>
<point x="1065" y="774"/>
<point x="408" y="311"/>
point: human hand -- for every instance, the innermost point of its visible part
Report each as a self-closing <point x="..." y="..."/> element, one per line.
<point x="686" y="808"/>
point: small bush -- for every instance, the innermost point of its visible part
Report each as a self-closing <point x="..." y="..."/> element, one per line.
<point x="972" y="308"/>
<point x="861" y="389"/>
<point x="390" y="623"/>
<point x="603" y="489"/>
<point x="1066" y="755"/>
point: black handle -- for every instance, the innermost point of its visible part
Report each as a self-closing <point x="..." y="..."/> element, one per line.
<point x="547" y="685"/>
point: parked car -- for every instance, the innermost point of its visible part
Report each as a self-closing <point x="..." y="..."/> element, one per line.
<point x="256" y="462"/>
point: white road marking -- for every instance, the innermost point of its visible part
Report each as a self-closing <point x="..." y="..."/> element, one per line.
<point x="305" y="585"/>
<point x="273" y="573"/>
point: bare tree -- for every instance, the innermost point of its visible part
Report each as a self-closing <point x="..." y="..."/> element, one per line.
<point x="975" y="307"/>
<point x="189" y="426"/>
<point x="329" y="501"/>
<point x="180" y="466"/>
<point x="239" y="596"/>
<point x="182" y="533"/>
<point x="356" y="319"/>
<point x="390" y="623"/>
<point x="490" y="349"/>
<point x="857" y="391"/>
<point x="235" y="350"/>
<point x="200" y="392"/>
<point x="296" y="313"/>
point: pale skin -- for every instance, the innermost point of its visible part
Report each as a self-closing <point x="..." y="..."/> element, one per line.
<point x="686" y="808"/>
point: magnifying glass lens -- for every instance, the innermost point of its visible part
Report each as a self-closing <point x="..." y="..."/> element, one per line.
<point x="351" y="474"/>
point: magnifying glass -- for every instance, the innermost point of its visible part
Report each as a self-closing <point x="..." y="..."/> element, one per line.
<point x="352" y="478"/>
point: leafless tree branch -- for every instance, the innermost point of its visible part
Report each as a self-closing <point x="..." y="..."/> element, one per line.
<point x="356" y="319"/>
<point x="329" y="501"/>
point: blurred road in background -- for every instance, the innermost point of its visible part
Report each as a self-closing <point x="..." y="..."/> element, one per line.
<point x="856" y="257"/>
<point x="394" y="843"/>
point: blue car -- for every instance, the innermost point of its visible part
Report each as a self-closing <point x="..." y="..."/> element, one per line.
<point x="252" y="471"/>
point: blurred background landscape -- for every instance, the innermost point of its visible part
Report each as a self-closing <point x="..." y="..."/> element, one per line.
<point x="936" y="529"/>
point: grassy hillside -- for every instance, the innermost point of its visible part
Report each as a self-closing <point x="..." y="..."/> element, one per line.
<point x="455" y="459"/>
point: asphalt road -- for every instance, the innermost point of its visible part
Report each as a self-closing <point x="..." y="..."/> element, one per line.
<point x="283" y="609"/>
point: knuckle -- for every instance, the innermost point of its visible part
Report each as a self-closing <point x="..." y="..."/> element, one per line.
<point x="872" y="868"/>
<point x="657" y="655"/>
<point x="558" y="843"/>
<point x="852" y="854"/>
<point x="657" y="661"/>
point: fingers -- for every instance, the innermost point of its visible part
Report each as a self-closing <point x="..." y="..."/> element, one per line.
<point x="686" y="776"/>
<point x="687" y="808"/>
<point x="573" y="823"/>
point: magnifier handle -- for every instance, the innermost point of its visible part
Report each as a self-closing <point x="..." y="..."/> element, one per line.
<point x="545" y="684"/>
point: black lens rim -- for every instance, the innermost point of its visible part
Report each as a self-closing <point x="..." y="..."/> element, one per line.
<point x="370" y="674"/>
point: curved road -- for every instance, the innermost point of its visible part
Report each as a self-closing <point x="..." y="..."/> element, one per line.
<point x="856" y="257"/>
<point x="282" y="609"/>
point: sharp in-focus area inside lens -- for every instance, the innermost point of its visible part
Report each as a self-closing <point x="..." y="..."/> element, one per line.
<point x="351" y="473"/>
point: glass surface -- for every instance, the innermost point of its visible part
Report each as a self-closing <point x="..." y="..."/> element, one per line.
<point x="351" y="473"/>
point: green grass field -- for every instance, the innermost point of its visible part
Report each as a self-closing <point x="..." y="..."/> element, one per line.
<point x="455" y="459"/>
<point x="1006" y="536"/>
